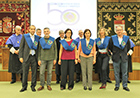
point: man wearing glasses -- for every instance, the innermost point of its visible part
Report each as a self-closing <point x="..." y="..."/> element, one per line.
<point x="119" y="45"/>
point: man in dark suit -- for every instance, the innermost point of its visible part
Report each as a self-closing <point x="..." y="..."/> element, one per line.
<point x="78" y="66"/>
<point x="27" y="56"/>
<point x="57" y="66"/>
<point x="129" y="58"/>
<point x="119" y="45"/>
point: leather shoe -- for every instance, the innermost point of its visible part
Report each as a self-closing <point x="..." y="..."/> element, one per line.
<point x="12" y="82"/>
<point x="77" y="80"/>
<point x="57" y="82"/>
<point x="128" y="81"/>
<point x="49" y="88"/>
<point x="23" y="89"/>
<point x="40" y="88"/>
<point x="85" y="88"/>
<point x="33" y="89"/>
<point x="126" y="88"/>
<point x="62" y="88"/>
<point x="116" y="88"/>
<point x="70" y="88"/>
<point x="103" y="86"/>
<point x="109" y="81"/>
<point x="90" y="89"/>
<point x="99" y="81"/>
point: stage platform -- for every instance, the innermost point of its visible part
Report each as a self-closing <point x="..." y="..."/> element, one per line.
<point x="6" y="76"/>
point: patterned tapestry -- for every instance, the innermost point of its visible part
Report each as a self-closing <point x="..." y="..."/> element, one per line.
<point x="12" y="14"/>
<point x="126" y="15"/>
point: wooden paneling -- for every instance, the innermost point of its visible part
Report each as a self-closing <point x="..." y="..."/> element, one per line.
<point x="130" y="0"/>
<point x="5" y="58"/>
<point x="19" y="0"/>
<point x="136" y="54"/>
<point x="118" y="0"/>
<point x="5" y="76"/>
<point x="0" y="55"/>
<point x="108" y="0"/>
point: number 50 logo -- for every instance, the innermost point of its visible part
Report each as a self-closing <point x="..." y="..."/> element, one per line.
<point x="68" y="17"/>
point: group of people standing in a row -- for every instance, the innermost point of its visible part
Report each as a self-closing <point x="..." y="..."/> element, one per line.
<point x="64" y="52"/>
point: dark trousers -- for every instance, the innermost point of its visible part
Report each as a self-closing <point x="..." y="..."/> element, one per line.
<point x="103" y="60"/>
<point x="78" y="71"/>
<point x="31" y="61"/>
<point x="67" y="65"/>
<point x="58" y="71"/>
<point x="108" y="71"/>
<point x="14" y="77"/>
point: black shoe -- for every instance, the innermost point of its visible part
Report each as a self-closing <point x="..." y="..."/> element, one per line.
<point x="57" y="82"/>
<point x="23" y="89"/>
<point x="90" y="89"/>
<point x="12" y="82"/>
<point x="109" y="81"/>
<point x="85" y="88"/>
<point x="99" y="81"/>
<point x="77" y="80"/>
<point x="116" y="88"/>
<point x="33" y="89"/>
<point x="128" y="81"/>
<point x="70" y="88"/>
<point x="126" y="88"/>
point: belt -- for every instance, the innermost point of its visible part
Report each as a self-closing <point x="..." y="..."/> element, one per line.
<point x="103" y="52"/>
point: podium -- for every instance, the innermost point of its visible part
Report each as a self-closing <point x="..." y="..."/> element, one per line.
<point x="5" y="57"/>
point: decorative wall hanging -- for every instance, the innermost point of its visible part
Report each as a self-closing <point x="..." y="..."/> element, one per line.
<point x="12" y="14"/>
<point x="126" y="15"/>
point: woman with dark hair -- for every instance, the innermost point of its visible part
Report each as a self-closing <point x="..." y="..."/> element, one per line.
<point x="102" y="56"/>
<point x="67" y="59"/>
<point x="87" y="57"/>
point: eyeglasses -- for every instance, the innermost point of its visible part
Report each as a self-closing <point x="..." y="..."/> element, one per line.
<point x="69" y="32"/>
<point x="80" y="32"/>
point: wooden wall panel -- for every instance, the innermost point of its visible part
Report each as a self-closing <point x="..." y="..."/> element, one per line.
<point x="108" y="0"/>
<point x="5" y="76"/>
<point x="5" y="58"/>
<point x="136" y="54"/>
<point x="0" y="55"/>
<point x="130" y="0"/>
<point x="118" y="0"/>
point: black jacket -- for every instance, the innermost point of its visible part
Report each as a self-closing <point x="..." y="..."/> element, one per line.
<point x="117" y="52"/>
